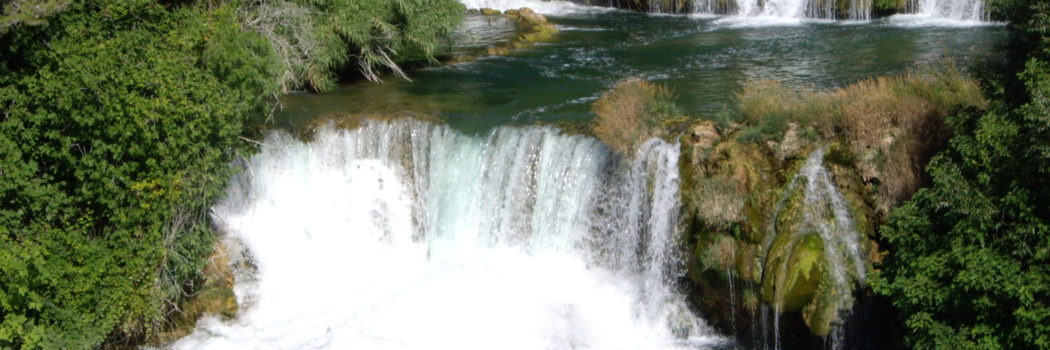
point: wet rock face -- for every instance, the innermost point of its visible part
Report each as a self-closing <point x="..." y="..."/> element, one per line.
<point x="792" y="249"/>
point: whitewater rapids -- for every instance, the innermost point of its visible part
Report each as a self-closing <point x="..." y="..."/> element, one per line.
<point x="410" y="235"/>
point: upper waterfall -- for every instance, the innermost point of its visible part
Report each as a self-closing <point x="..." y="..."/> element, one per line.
<point x="857" y="10"/>
<point x="786" y="9"/>
<point x="959" y="10"/>
<point x="406" y="234"/>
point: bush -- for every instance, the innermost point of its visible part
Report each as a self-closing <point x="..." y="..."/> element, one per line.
<point x="627" y="113"/>
<point x="317" y="38"/>
<point x="969" y="261"/>
<point x="120" y="118"/>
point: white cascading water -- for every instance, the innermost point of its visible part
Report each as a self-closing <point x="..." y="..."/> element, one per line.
<point x="409" y="235"/>
<point x="784" y="9"/>
<point x="827" y="213"/>
<point x="841" y="238"/>
<point x="957" y="10"/>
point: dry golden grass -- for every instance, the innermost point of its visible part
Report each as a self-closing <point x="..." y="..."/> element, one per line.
<point x="771" y="105"/>
<point x="892" y="124"/>
<point x="627" y="112"/>
<point x="718" y="200"/>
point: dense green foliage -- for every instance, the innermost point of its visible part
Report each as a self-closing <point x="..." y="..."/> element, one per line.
<point x="315" y="39"/>
<point x="969" y="262"/>
<point x="118" y="119"/>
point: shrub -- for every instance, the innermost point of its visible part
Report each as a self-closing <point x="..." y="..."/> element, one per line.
<point x="969" y="261"/>
<point x="627" y="113"/>
<point x="119" y="119"/>
<point x="315" y="39"/>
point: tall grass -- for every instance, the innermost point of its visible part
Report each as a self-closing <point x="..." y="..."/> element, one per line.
<point x="866" y="109"/>
<point x="627" y="113"/>
<point x="892" y="123"/>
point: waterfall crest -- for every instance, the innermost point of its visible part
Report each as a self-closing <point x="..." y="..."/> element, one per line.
<point x="854" y="10"/>
<point x="958" y="10"/>
<point x="405" y="234"/>
<point x="786" y="9"/>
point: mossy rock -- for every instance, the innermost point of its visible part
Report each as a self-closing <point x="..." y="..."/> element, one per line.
<point x="791" y="234"/>
<point x="753" y="171"/>
<point x="538" y="33"/>
<point x="531" y="27"/>
<point x="805" y="272"/>
<point x="821" y="314"/>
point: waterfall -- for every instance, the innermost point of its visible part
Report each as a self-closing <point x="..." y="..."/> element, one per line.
<point x="841" y="239"/>
<point x="785" y="9"/>
<point x="406" y="235"/>
<point x="840" y="236"/>
<point x="824" y="211"/>
<point x="959" y="10"/>
<point x="856" y="10"/>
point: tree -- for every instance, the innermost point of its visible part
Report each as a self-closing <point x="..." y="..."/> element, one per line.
<point x="119" y="120"/>
<point x="969" y="261"/>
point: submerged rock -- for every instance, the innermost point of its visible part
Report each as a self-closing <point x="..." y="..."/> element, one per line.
<point x="531" y="27"/>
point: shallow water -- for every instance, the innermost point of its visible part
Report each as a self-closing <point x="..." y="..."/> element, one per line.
<point x="706" y="60"/>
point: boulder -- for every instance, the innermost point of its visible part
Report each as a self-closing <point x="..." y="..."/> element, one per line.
<point x="705" y="134"/>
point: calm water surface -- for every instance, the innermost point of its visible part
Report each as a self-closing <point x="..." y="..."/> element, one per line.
<point x="705" y="60"/>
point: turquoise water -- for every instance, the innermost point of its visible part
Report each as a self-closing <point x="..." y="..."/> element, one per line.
<point x="705" y="60"/>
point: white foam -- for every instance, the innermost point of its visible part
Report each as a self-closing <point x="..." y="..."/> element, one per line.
<point x="407" y="235"/>
<point x="924" y="20"/>
<point x="758" y="21"/>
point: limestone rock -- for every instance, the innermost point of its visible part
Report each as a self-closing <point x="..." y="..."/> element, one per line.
<point x="705" y="134"/>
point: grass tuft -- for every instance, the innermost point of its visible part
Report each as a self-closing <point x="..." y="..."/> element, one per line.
<point x="627" y="113"/>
